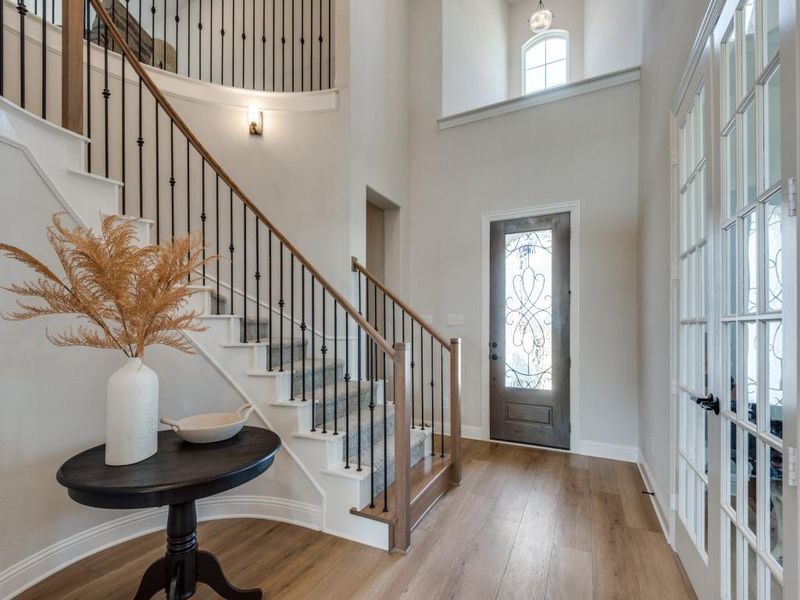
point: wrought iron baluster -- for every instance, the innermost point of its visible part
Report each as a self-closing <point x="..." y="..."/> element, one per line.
<point x="271" y="300"/>
<point x="370" y="348"/>
<point x="314" y="360"/>
<point x="335" y="370"/>
<point x="253" y="46"/>
<point x="140" y="144"/>
<point x="106" y="96"/>
<point x="177" y="48"/>
<point x="283" y="45"/>
<point x="421" y="378"/>
<point x="2" y="52"/>
<point x="413" y="364"/>
<point x="330" y="40"/>
<point x="441" y="392"/>
<point x="358" y="387"/>
<point x="189" y="41"/>
<point x="433" y="412"/>
<point x="291" y="324"/>
<point x="324" y="352"/>
<point x="385" y="440"/>
<point x="172" y="177"/>
<point x="153" y="30"/>
<point x="320" y="44"/>
<point x="222" y="50"/>
<point x="233" y="42"/>
<point x="203" y="214"/>
<point x="273" y="45"/>
<point x="244" y="273"/>
<point x="244" y="40"/>
<point x="293" y="38"/>
<point x="158" y="171"/>
<point x="263" y="44"/>
<point x="346" y="390"/>
<point x="200" y="43"/>
<point x="303" y="325"/>
<point x="302" y="45"/>
<point x="258" y="285"/>
<point x="280" y="306"/>
<point x="23" y="12"/>
<point x="231" y="249"/>
<point x="216" y="223"/>
<point x="44" y="57"/>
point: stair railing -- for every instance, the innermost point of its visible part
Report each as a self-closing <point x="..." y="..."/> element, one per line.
<point x="428" y="366"/>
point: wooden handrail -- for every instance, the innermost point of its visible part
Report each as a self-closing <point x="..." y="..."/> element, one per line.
<point x="206" y="155"/>
<point x="358" y="267"/>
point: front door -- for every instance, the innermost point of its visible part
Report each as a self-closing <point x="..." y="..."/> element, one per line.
<point x="529" y="330"/>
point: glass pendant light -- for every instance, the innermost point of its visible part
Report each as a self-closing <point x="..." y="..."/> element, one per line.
<point x="541" y="20"/>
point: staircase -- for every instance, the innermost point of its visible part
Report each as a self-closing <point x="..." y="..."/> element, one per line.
<point x="356" y="394"/>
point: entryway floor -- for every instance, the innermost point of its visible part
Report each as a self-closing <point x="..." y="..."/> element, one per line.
<point x="525" y="523"/>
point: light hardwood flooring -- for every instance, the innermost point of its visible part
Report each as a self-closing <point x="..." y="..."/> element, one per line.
<point x="525" y="523"/>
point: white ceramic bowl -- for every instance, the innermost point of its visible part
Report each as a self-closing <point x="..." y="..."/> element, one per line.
<point x="210" y="427"/>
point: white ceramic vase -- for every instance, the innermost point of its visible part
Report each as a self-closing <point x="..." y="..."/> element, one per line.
<point x="131" y="414"/>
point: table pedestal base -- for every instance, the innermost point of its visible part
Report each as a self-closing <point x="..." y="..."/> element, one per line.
<point x="179" y="570"/>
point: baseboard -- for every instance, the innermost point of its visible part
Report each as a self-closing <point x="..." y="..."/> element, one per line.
<point x="47" y="561"/>
<point x="661" y="509"/>
<point x="469" y="432"/>
<point x="606" y="450"/>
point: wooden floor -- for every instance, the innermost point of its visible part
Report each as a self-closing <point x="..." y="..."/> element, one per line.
<point x="525" y="523"/>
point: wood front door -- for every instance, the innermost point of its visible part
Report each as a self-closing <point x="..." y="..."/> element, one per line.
<point x="529" y="330"/>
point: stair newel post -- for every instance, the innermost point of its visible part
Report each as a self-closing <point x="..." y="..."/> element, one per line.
<point x="402" y="446"/>
<point x="455" y="409"/>
<point x="72" y="65"/>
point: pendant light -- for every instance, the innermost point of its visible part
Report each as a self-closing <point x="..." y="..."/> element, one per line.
<point x="541" y="20"/>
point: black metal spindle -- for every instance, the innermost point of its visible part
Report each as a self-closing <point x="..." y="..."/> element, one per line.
<point x="244" y="40"/>
<point x="330" y="40"/>
<point x="253" y="45"/>
<point x="302" y="45"/>
<point x="258" y="285"/>
<point x="320" y="44"/>
<point x="200" y="43"/>
<point x="44" y="58"/>
<point x="222" y="51"/>
<point x="188" y="192"/>
<point x="303" y="325"/>
<point x="203" y="218"/>
<point x="413" y="364"/>
<point x="172" y="177"/>
<point x="106" y="96"/>
<point x="244" y="274"/>
<point x="421" y="378"/>
<point x="385" y="441"/>
<point x="346" y="391"/>
<point x="177" y="48"/>
<point x="153" y="30"/>
<point x="158" y="172"/>
<point x="283" y="45"/>
<point x="189" y="41"/>
<point x="370" y="346"/>
<point x="324" y="352"/>
<point x="231" y="249"/>
<point x="366" y="316"/>
<point x="280" y="306"/>
<point x="441" y="393"/>
<point x="23" y="11"/>
<point x="140" y="144"/>
<point x="233" y="42"/>
<point x="291" y="323"/>
<point x="313" y="358"/>
<point x="122" y="145"/>
<point x="335" y="370"/>
<point x="293" y="38"/>
<point x="271" y="299"/>
<point x="2" y="52"/>
<point x="216" y="222"/>
<point x="358" y="384"/>
<point x="433" y="412"/>
<point x="263" y="44"/>
<point x="273" y="45"/>
<point x="211" y="42"/>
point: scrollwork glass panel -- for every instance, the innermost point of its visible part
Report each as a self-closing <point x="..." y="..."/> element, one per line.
<point x="774" y="351"/>
<point x="529" y="310"/>
<point x="774" y="254"/>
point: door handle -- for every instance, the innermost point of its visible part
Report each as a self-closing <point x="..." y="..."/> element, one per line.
<point x="710" y="402"/>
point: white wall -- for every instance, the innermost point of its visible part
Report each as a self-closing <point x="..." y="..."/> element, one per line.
<point x="475" y="53"/>
<point x="668" y="31"/>
<point x="611" y="36"/>
<point x="554" y="153"/>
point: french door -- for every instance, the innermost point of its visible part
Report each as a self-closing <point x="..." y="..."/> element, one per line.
<point x="737" y="526"/>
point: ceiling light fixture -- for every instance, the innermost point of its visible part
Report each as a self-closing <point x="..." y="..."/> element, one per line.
<point x="541" y="20"/>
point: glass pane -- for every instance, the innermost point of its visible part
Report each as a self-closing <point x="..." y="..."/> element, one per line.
<point x="729" y="66"/>
<point x="775" y="377"/>
<point x="775" y="589"/>
<point x="730" y="336"/>
<point x="750" y="263"/>
<point x="772" y="130"/>
<point x="749" y="47"/>
<point x="752" y="575"/>
<point x="730" y="262"/>
<point x="733" y="461"/>
<point x="529" y="309"/>
<point x="750" y="355"/>
<point x="771" y="29"/>
<point x="534" y="80"/>
<point x="752" y="482"/>
<point x="556" y="49"/>
<point x="729" y="175"/>
<point x="700" y="191"/>
<point x="775" y="532"/>
<point x="774" y="253"/>
<point x="749" y="153"/>
<point x="556" y="73"/>
<point x="732" y="565"/>
<point x="534" y="56"/>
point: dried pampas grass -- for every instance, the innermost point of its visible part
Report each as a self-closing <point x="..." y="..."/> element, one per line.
<point x="132" y="297"/>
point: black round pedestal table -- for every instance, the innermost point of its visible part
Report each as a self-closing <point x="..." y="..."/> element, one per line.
<point x="178" y="475"/>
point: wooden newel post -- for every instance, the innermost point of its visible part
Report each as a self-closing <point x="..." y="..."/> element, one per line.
<point x="455" y="409"/>
<point x="72" y="65"/>
<point x="402" y="446"/>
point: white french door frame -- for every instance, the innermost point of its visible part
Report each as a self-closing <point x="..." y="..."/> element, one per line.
<point x="715" y="26"/>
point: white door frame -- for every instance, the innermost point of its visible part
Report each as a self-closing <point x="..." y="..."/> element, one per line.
<point x="573" y="208"/>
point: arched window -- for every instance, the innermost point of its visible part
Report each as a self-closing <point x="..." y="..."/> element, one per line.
<point x="545" y="61"/>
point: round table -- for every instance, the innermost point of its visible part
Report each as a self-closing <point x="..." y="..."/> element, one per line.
<point x="178" y="475"/>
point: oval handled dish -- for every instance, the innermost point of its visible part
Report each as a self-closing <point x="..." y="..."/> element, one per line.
<point x="210" y="427"/>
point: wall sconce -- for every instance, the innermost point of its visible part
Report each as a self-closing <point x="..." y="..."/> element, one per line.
<point x="255" y="120"/>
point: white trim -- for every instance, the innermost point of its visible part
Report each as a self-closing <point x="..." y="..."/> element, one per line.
<point x="573" y="208"/>
<point x="538" y="39"/>
<point x="570" y="90"/>
<point x="47" y="561"/>
<point x="606" y="450"/>
<point x="662" y="510"/>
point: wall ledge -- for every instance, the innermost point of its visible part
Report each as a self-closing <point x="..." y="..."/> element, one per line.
<point x="512" y="105"/>
<point x="47" y="561"/>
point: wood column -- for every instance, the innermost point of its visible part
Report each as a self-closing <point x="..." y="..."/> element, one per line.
<point x="455" y="409"/>
<point x="402" y="446"/>
<point x="72" y="65"/>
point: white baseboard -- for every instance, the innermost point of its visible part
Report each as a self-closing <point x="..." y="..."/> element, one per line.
<point x="606" y="450"/>
<point x="47" y="561"/>
<point x="469" y="432"/>
<point x="662" y="509"/>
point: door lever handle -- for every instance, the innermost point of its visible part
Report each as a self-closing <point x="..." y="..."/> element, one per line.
<point x="710" y="402"/>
